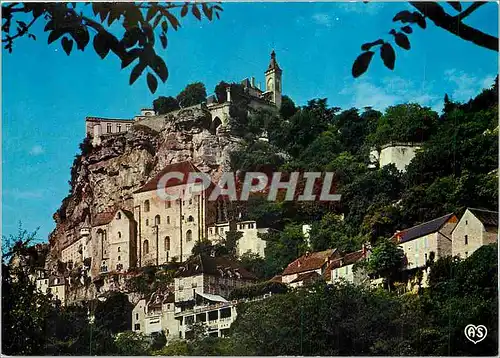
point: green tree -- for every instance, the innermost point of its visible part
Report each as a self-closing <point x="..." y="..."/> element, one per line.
<point x="386" y="260"/>
<point x="164" y="105"/>
<point x="194" y="93"/>
<point x="115" y="313"/>
<point x="287" y="108"/>
<point x="130" y="343"/>
<point x="75" y="23"/>
<point x="331" y="232"/>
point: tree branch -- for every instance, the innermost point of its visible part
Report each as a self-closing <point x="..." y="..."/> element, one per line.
<point x="470" y="9"/>
<point x="20" y="33"/>
<point x="436" y="13"/>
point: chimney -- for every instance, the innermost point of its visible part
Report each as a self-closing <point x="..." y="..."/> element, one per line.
<point x="252" y="83"/>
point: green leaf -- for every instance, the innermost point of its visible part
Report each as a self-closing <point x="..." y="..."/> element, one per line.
<point x="173" y="20"/>
<point x="136" y="72"/>
<point x="67" y="45"/>
<point x="196" y="12"/>
<point x="163" y="40"/>
<point x="402" y="40"/>
<point x="101" y="44"/>
<point x="361" y="63"/>
<point x="184" y="10"/>
<point x="207" y="11"/>
<point x="152" y="83"/>
<point x="160" y="68"/>
<point x="54" y="35"/>
<point x="367" y="46"/>
<point x="407" y="29"/>
<point x="151" y="12"/>
<point x="388" y="55"/>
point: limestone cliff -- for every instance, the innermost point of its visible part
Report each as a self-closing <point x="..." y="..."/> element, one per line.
<point x="104" y="177"/>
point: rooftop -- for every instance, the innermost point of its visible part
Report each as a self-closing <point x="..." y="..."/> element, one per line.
<point x="487" y="217"/>
<point x="423" y="229"/>
<point x="308" y="262"/>
<point x="221" y="266"/>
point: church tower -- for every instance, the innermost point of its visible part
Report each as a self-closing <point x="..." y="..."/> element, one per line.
<point x="273" y="80"/>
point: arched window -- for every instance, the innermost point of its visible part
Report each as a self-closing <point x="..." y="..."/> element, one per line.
<point x="168" y="204"/>
<point x="119" y="235"/>
<point x="118" y="216"/>
<point x="119" y="249"/>
<point x="190" y="218"/>
<point x="167" y="243"/>
<point x="146" y="206"/>
<point x="157" y="220"/>
<point x="145" y="247"/>
<point x="168" y="219"/>
<point x="118" y="258"/>
<point x="189" y="235"/>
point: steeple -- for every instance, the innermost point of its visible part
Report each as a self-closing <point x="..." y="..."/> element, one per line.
<point x="273" y="65"/>
<point x="273" y="80"/>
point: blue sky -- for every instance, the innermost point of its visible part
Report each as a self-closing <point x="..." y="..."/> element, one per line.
<point x="47" y="95"/>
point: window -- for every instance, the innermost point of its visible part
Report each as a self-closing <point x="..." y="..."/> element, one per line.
<point x="119" y="248"/>
<point x="168" y="205"/>
<point x="466" y="222"/>
<point x="118" y="216"/>
<point x="189" y="235"/>
<point x="119" y="235"/>
<point x="147" y="222"/>
<point x="127" y="127"/>
<point x="466" y="254"/>
<point x="168" y="219"/>
<point x="157" y="220"/>
<point x="146" y="206"/>
<point x="137" y="327"/>
<point x="118" y="128"/>
<point x="216" y="230"/>
<point x="137" y="316"/>
<point x="167" y="243"/>
<point x="211" y="231"/>
<point x="466" y="240"/>
<point x="190" y="218"/>
<point x="425" y="259"/>
<point x="108" y="129"/>
<point x="190" y="200"/>
<point x="346" y="270"/>
<point x="118" y="258"/>
<point x="145" y="247"/>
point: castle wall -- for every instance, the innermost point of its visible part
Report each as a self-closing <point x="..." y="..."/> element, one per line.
<point x="399" y="155"/>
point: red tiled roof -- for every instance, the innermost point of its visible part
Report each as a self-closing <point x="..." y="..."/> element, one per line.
<point x="276" y="278"/>
<point x="308" y="262"/>
<point x="185" y="168"/>
<point x="306" y="277"/>
<point x="347" y="259"/>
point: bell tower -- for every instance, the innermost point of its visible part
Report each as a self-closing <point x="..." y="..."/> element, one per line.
<point x="273" y="80"/>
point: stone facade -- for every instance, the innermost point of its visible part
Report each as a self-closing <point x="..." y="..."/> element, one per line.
<point x="476" y="228"/>
<point x="399" y="154"/>
<point x="249" y="242"/>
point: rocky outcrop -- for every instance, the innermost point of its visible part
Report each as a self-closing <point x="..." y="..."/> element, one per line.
<point x="104" y="177"/>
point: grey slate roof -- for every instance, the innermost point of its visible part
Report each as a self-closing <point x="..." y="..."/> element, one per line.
<point x="423" y="229"/>
<point x="487" y="217"/>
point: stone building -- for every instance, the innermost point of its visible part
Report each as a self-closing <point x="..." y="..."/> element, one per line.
<point x="113" y="242"/>
<point x="249" y="242"/>
<point x="399" y="154"/>
<point x="168" y="230"/>
<point x="156" y="314"/>
<point x="342" y="268"/>
<point x="476" y="228"/>
<point x="308" y="267"/>
<point x="432" y="238"/>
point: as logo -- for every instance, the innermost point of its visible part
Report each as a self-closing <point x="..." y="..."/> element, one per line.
<point x="475" y="334"/>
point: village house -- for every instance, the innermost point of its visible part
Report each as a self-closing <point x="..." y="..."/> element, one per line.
<point x="342" y="268"/>
<point x="249" y="241"/>
<point x="432" y="238"/>
<point x="113" y="242"/>
<point x="476" y="228"/>
<point x="156" y="314"/>
<point x="308" y="267"/>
